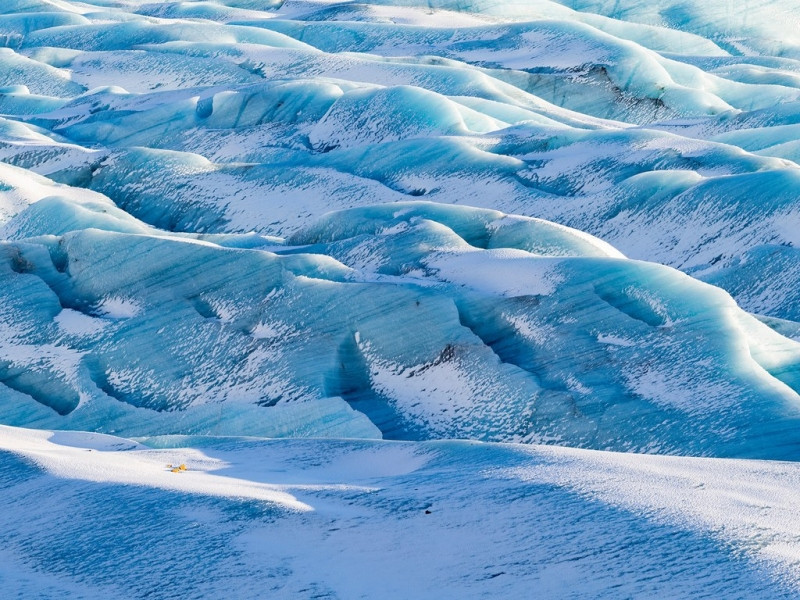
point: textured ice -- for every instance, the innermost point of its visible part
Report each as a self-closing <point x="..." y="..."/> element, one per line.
<point x="513" y="329"/>
<point x="564" y="223"/>
<point x="213" y="137"/>
<point x="319" y="107"/>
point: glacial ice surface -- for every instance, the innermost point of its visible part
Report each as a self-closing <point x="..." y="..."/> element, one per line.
<point x="559" y="230"/>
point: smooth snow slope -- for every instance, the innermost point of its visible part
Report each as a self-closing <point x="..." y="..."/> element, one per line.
<point x="336" y="519"/>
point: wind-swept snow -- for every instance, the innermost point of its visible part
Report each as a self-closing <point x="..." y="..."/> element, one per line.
<point x="356" y="519"/>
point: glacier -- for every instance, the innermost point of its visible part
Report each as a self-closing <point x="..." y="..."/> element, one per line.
<point x="511" y="329"/>
<point x="452" y="298"/>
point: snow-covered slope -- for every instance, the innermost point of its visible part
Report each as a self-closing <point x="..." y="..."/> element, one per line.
<point x="303" y="519"/>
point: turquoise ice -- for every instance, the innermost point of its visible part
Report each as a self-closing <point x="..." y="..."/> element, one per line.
<point x="441" y="298"/>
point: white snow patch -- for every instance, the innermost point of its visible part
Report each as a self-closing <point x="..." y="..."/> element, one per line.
<point x="73" y="322"/>
<point x="117" y="307"/>
<point x="506" y="271"/>
<point x="62" y="456"/>
<point x="752" y="504"/>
